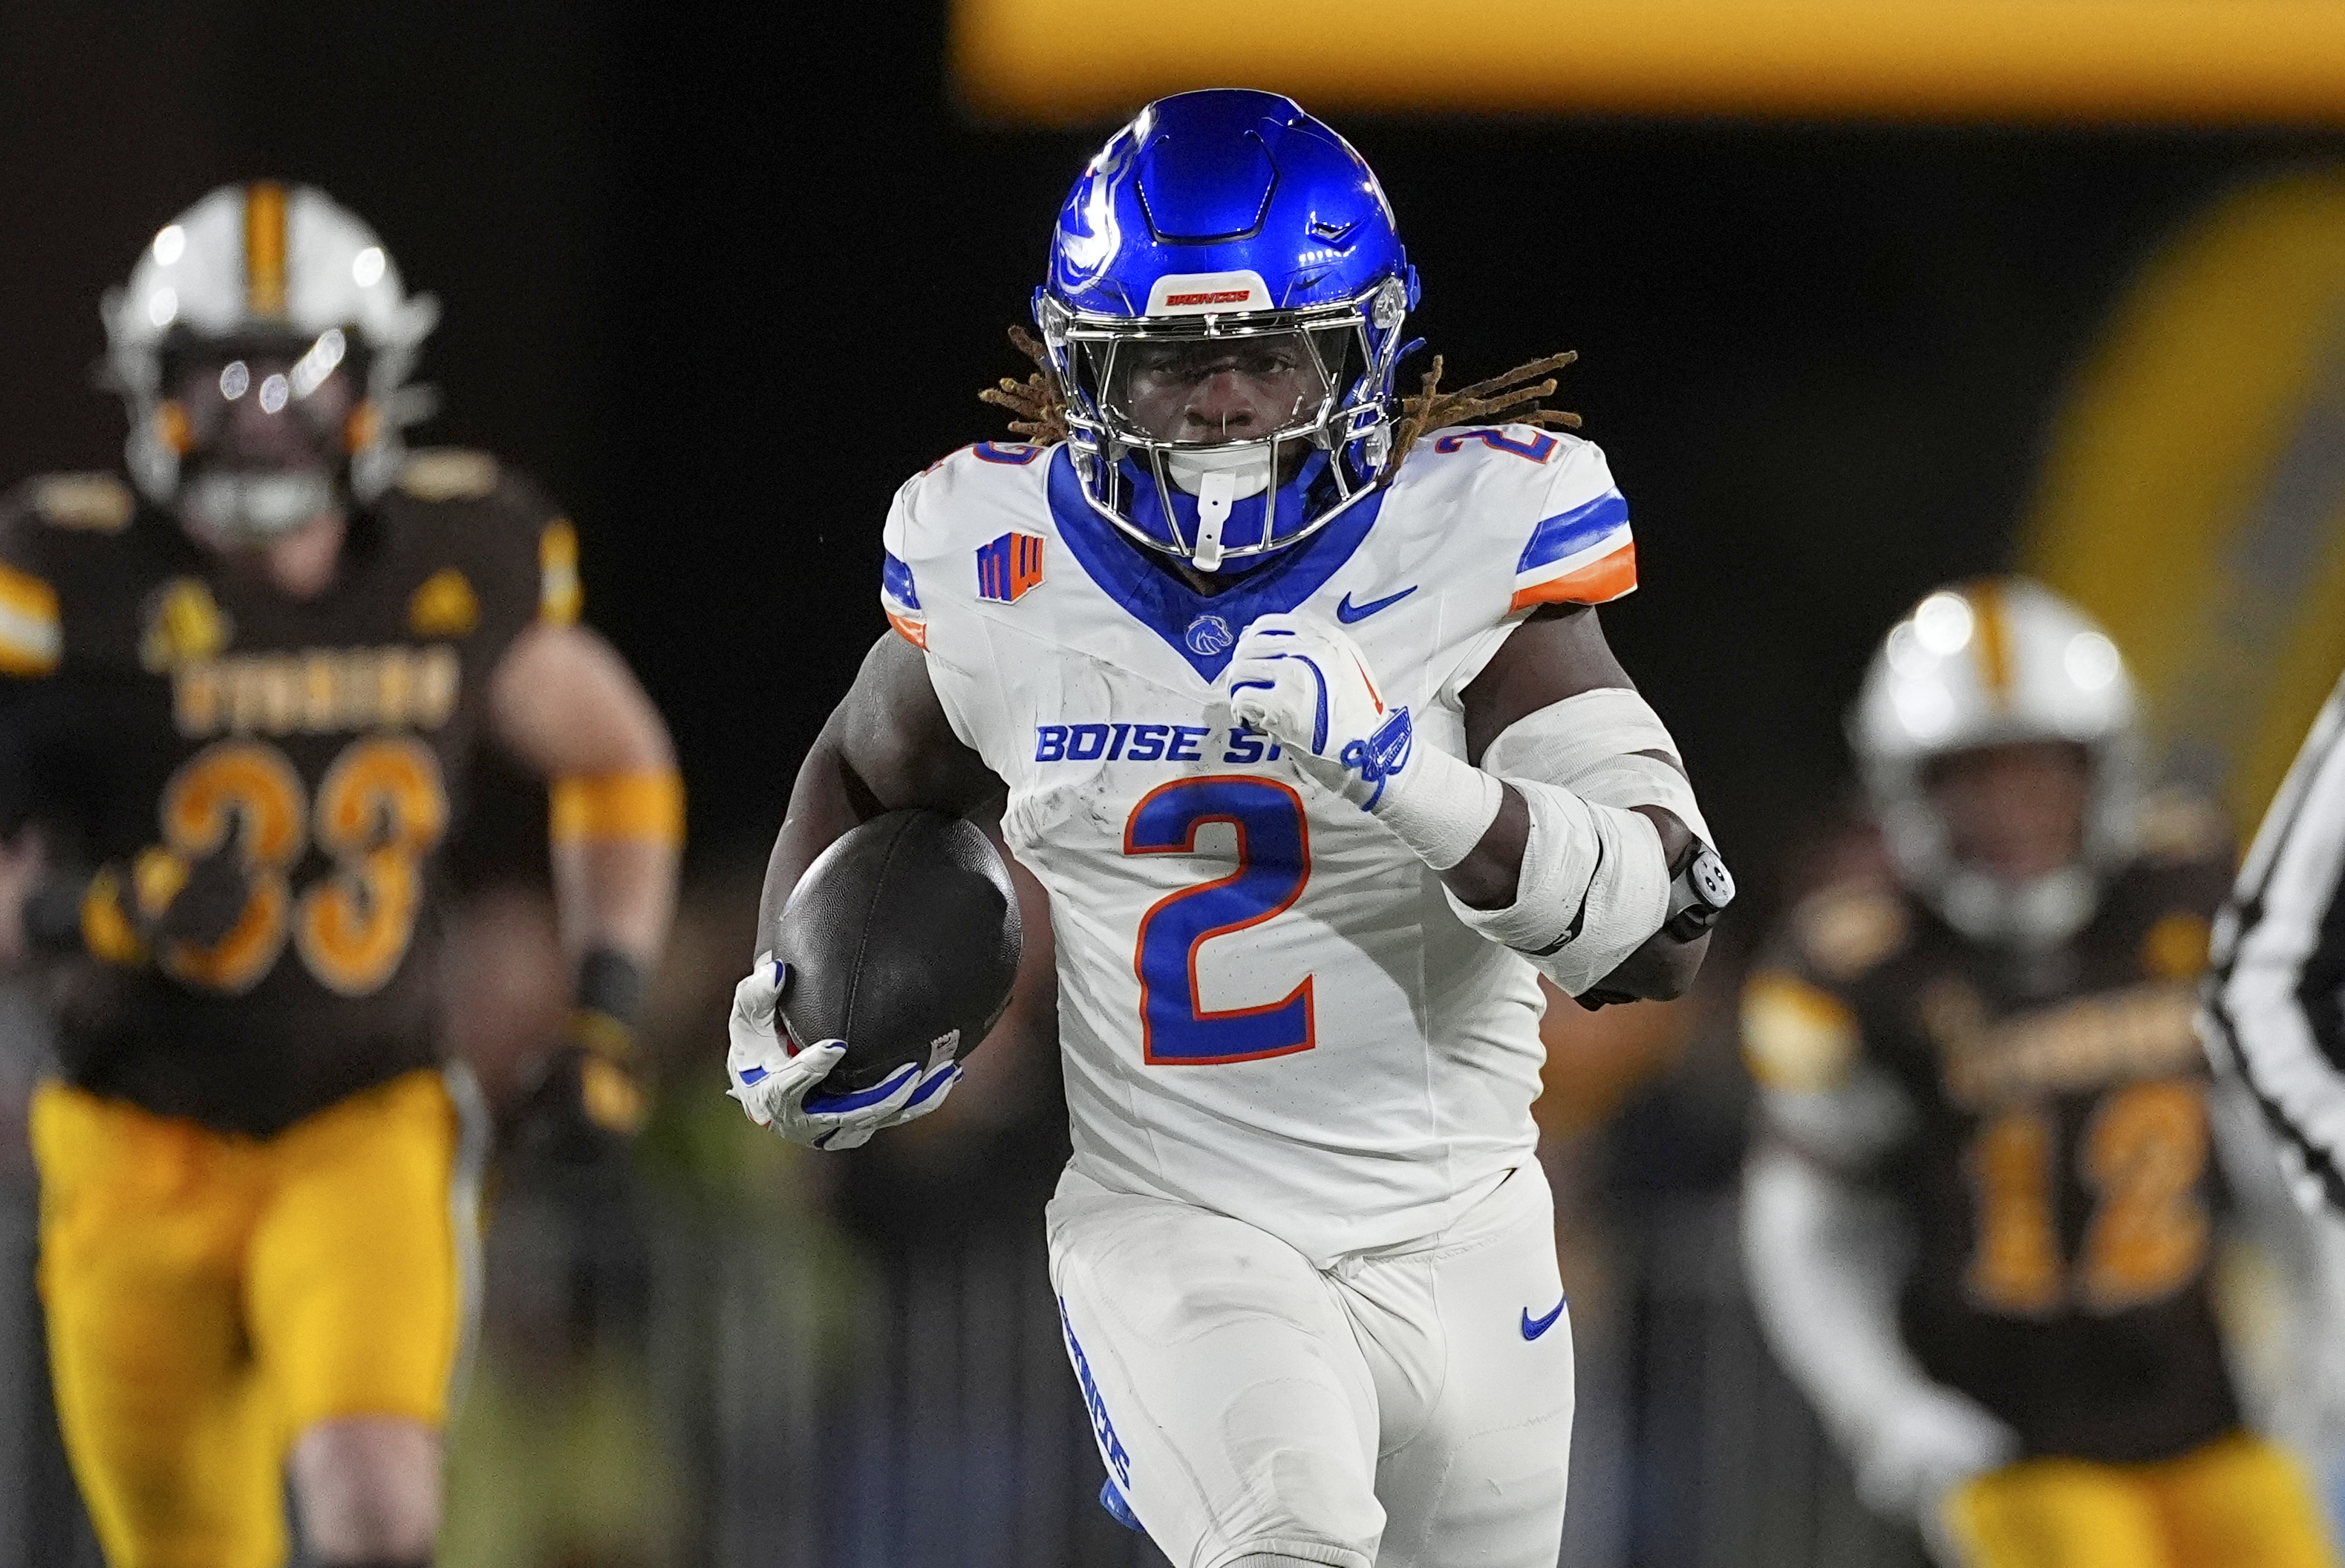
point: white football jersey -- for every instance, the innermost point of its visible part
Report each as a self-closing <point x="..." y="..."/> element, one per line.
<point x="1265" y="1004"/>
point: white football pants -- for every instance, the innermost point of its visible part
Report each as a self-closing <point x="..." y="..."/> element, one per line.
<point x="1404" y="1408"/>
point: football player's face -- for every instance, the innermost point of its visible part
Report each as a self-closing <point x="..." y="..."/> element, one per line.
<point x="263" y="412"/>
<point x="1219" y="390"/>
<point x="2015" y="812"/>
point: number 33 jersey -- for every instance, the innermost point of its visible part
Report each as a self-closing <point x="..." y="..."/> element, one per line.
<point x="159" y="708"/>
<point x="2043" y="1124"/>
<point x="1266" y="1007"/>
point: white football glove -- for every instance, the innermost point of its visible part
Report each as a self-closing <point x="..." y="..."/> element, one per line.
<point x="776" y="1087"/>
<point x="1305" y="682"/>
<point x="1929" y="1444"/>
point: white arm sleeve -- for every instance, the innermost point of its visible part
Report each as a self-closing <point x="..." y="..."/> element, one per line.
<point x="1595" y="885"/>
<point x="1824" y="1260"/>
<point x="1608" y="747"/>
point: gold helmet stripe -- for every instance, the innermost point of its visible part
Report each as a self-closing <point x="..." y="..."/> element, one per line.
<point x="1993" y="639"/>
<point x="264" y="247"/>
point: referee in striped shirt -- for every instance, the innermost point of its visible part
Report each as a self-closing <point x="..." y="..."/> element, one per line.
<point x="2276" y="995"/>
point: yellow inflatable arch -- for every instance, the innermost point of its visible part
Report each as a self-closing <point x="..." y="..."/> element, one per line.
<point x="2193" y="497"/>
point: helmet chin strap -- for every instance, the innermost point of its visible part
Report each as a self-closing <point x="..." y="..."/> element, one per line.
<point x="242" y="507"/>
<point x="1219" y="477"/>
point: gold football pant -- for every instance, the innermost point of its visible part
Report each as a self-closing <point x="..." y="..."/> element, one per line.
<point x="211" y="1296"/>
<point x="2236" y="1502"/>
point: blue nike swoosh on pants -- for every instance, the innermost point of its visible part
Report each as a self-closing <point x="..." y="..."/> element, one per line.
<point x="1347" y="613"/>
<point x="1534" y="1326"/>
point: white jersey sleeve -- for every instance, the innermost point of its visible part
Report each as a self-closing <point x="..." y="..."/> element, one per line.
<point x="1266" y="1007"/>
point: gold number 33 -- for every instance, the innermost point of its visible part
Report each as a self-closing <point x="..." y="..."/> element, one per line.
<point x="380" y="809"/>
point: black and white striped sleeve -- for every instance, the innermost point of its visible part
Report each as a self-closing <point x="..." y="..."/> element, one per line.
<point x="2276" y="995"/>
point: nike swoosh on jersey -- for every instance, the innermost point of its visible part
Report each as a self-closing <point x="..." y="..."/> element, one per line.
<point x="1534" y="1326"/>
<point x="1347" y="613"/>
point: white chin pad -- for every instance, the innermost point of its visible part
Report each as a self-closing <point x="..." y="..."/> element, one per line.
<point x="1247" y="465"/>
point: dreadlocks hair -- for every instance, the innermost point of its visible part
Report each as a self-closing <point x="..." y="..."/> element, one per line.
<point x="1431" y="409"/>
<point x="1037" y="411"/>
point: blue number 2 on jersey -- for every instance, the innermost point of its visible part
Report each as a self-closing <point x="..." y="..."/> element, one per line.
<point x="1273" y="862"/>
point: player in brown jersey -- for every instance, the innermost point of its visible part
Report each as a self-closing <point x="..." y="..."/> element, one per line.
<point x="1978" y="1218"/>
<point x="243" y="700"/>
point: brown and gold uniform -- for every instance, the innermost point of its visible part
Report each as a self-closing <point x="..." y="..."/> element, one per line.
<point x="2043" y="1120"/>
<point x="256" y="1180"/>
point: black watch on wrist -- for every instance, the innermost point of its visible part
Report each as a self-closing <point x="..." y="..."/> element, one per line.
<point x="1698" y="894"/>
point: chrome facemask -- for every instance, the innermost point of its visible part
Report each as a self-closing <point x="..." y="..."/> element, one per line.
<point x="1343" y="357"/>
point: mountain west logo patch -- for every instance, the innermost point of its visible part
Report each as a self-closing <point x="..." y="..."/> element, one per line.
<point x="445" y="606"/>
<point x="1008" y="566"/>
<point x="185" y="625"/>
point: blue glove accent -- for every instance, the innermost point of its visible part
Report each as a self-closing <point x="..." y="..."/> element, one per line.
<point x="1381" y="754"/>
<point x="834" y="1105"/>
<point x="1117" y="1507"/>
<point x="934" y="1086"/>
<point x="1319" y="725"/>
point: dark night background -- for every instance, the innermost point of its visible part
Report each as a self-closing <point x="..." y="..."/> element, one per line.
<point x="721" y="283"/>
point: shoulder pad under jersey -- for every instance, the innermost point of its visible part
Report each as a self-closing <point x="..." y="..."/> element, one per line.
<point x="83" y="503"/>
<point x="1799" y="1028"/>
<point x="497" y="518"/>
<point x="2179" y="826"/>
<point x="1543" y="499"/>
<point x="970" y="501"/>
<point x="449" y="473"/>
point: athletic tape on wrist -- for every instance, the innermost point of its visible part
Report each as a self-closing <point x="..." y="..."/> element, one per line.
<point x="1440" y="806"/>
<point x="1593" y="887"/>
<point x="1591" y="744"/>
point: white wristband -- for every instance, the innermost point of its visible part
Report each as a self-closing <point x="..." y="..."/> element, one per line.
<point x="1440" y="806"/>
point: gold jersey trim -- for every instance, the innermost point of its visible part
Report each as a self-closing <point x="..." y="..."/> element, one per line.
<point x="560" y="595"/>
<point x="32" y="641"/>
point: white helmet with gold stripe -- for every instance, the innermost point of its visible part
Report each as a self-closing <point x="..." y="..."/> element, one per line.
<point x="268" y="263"/>
<point x="1989" y="662"/>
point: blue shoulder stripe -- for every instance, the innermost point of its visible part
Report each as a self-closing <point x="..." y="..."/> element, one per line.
<point x="1570" y="532"/>
<point x="896" y="581"/>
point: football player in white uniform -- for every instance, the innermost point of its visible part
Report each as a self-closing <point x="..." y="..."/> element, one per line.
<point x="1307" y="723"/>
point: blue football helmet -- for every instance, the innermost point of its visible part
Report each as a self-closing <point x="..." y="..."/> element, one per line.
<point x="1224" y="316"/>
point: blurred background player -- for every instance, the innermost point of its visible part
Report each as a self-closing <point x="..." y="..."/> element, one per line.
<point x="1981" y="1214"/>
<point x="245" y="693"/>
<point x="1254" y="649"/>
